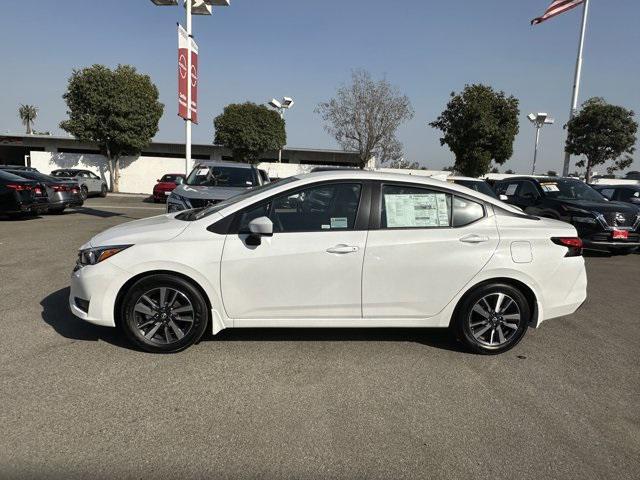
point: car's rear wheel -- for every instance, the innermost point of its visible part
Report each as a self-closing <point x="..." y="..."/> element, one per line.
<point x="493" y="318"/>
<point x="103" y="191"/>
<point x="163" y="314"/>
<point x="84" y="193"/>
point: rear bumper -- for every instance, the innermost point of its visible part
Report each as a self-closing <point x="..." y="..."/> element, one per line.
<point x="608" y="246"/>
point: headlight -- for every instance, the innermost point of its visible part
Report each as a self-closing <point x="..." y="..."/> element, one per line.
<point x="91" y="256"/>
<point x="176" y="203"/>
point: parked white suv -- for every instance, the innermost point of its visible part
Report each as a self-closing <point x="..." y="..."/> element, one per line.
<point x="333" y="249"/>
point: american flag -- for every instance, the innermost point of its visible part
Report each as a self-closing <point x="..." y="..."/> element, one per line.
<point x="556" y="8"/>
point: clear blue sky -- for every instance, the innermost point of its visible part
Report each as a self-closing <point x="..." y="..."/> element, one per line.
<point x="257" y="49"/>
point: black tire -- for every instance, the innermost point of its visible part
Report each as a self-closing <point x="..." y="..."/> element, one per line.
<point x="103" y="191"/>
<point x="84" y="192"/>
<point x="469" y="324"/>
<point x="56" y="211"/>
<point x="139" y="327"/>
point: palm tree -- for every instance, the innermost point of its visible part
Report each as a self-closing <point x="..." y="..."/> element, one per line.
<point x="28" y="114"/>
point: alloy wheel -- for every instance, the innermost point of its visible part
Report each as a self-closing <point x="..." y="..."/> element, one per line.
<point x="164" y="315"/>
<point x="494" y="319"/>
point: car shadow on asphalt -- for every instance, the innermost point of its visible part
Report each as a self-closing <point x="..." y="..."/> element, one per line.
<point x="97" y="213"/>
<point x="440" y="338"/>
<point x="55" y="312"/>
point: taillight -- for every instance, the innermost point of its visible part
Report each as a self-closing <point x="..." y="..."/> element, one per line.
<point x="60" y="188"/>
<point x="37" y="190"/>
<point x="574" y="244"/>
<point x="19" y="187"/>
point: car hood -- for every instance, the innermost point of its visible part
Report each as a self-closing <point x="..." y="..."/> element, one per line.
<point x="208" y="193"/>
<point x="600" y="207"/>
<point x="147" y="230"/>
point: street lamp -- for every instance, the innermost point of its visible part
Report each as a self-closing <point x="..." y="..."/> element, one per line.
<point x="281" y="106"/>
<point x="192" y="7"/>
<point x="538" y="120"/>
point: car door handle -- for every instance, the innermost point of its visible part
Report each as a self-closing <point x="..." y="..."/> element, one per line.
<point x="473" y="238"/>
<point x="342" y="249"/>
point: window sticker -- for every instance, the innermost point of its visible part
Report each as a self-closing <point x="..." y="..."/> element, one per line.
<point x="511" y="189"/>
<point x="325" y="227"/>
<point x="550" y="187"/>
<point x="338" y="222"/>
<point x="202" y="172"/>
<point x="421" y="210"/>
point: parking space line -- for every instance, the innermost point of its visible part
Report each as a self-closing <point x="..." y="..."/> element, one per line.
<point x="95" y="207"/>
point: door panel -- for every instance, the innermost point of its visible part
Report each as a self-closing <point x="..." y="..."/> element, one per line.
<point x="293" y="275"/>
<point x="417" y="272"/>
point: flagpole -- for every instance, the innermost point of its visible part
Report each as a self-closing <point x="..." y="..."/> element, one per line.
<point x="576" y="81"/>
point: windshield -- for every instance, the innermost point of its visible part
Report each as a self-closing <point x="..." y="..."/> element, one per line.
<point x="170" y="178"/>
<point x="198" y="214"/>
<point x="568" y="189"/>
<point x="482" y="187"/>
<point x="217" y="176"/>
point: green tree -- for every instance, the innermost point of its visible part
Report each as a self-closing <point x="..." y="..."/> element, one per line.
<point x="117" y="109"/>
<point x="479" y="125"/>
<point x="365" y="115"/>
<point x="602" y="133"/>
<point x="28" y="114"/>
<point x="249" y="130"/>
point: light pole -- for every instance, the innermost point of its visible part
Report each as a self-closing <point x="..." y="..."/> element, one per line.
<point x="285" y="104"/>
<point x="192" y="7"/>
<point x="538" y="120"/>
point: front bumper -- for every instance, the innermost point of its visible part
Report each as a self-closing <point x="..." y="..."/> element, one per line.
<point x="98" y="285"/>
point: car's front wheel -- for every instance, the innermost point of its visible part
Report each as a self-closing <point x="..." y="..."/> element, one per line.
<point x="493" y="318"/>
<point x="163" y="314"/>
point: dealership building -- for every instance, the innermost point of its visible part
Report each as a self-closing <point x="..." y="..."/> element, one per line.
<point x="139" y="174"/>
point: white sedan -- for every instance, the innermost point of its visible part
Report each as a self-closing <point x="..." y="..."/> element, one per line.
<point x="333" y="249"/>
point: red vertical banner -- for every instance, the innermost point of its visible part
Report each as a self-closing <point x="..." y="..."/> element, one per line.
<point x="183" y="40"/>
<point x="194" y="81"/>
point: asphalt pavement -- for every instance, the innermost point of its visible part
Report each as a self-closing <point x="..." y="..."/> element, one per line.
<point x="78" y="402"/>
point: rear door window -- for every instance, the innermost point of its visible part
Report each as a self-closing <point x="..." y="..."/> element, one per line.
<point x="411" y="207"/>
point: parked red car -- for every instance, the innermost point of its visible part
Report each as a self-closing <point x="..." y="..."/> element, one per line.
<point x="166" y="185"/>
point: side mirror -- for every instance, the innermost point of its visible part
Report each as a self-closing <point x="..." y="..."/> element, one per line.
<point x="504" y="198"/>
<point x="261" y="226"/>
<point x="258" y="228"/>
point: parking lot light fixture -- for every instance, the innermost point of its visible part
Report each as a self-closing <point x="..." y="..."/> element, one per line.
<point x="192" y="7"/>
<point x="280" y="106"/>
<point x="538" y="120"/>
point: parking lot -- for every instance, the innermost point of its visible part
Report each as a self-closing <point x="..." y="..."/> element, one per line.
<point x="78" y="402"/>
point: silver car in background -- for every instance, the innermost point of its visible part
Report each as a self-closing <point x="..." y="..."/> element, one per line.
<point x="211" y="182"/>
<point x="90" y="183"/>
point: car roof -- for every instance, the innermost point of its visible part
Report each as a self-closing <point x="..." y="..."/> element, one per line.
<point x="404" y="178"/>
<point x="466" y="179"/>
<point x="223" y="163"/>
<point x="536" y="178"/>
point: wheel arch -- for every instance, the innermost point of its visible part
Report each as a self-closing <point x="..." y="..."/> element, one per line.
<point x="117" y="305"/>
<point x="527" y="291"/>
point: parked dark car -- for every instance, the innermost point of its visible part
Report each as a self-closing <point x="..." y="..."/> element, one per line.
<point x="61" y="193"/>
<point x="90" y="183"/>
<point x="165" y="186"/>
<point x="19" y="195"/>
<point x="620" y="193"/>
<point x="18" y="167"/>
<point x="601" y="224"/>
